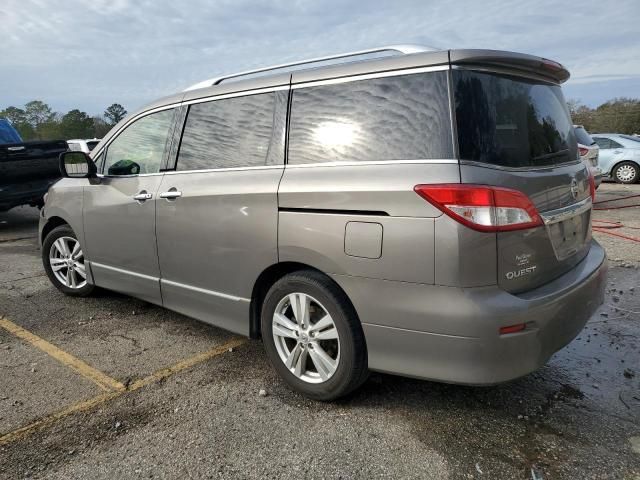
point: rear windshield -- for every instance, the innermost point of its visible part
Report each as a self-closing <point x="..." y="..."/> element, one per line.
<point x="512" y="122"/>
<point x="583" y="137"/>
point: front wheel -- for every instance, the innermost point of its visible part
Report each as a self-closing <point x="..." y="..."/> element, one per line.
<point x="626" y="172"/>
<point x="313" y="337"/>
<point x="63" y="260"/>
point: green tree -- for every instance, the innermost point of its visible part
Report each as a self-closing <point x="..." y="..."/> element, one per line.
<point x="114" y="113"/>
<point x="100" y="126"/>
<point x="76" y="124"/>
<point x="38" y="113"/>
<point x="18" y="118"/>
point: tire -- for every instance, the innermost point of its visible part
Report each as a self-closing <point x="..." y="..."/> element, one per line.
<point x="626" y="172"/>
<point x="348" y="352"/>
<point x="68" y="279"/>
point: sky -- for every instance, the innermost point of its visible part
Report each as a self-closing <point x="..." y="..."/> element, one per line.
<point x="90" y="54"/>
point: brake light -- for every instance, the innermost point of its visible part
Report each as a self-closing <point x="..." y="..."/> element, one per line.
<point x="592" y="186"/>
<point x="583" y="151"/>
<point x="513" y="328"/>
<point x="482" y="207"/>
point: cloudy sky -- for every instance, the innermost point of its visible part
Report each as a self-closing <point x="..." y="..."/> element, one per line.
<point x="89" y="54"/>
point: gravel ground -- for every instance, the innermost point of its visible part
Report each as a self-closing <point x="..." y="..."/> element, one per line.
<point x="578" y="417"/>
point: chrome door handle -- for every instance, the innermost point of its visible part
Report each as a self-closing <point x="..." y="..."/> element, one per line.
<point x="142" y="196"/>
<point x="171" y="194"/>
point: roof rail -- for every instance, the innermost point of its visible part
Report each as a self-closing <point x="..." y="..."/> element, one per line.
<point x="403" y="49"/>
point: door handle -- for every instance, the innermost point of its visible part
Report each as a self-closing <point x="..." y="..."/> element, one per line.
<point x="171" y="194"/>
<point x="143" y="196"/>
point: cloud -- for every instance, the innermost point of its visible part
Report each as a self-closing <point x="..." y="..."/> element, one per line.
<point x="91" y="53"/>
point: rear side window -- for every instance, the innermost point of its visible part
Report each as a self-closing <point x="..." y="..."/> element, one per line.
<point x="228" y="133"/>
<point x="394" y="118"/>
<point x="511" y="121"/>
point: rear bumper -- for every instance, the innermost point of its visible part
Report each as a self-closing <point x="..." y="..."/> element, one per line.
<point x="451" y="334"/>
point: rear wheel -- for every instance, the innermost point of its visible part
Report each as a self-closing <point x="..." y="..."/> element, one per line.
<point x="626" y="172"/>
<point x="63" y="261"/>
<point x="313" y="337"/>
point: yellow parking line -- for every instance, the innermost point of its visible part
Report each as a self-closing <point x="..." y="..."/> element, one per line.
<point x="103" y="381"/>
<point x="105" y="397"/>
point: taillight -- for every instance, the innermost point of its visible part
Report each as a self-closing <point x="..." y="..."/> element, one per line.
<point x="583" y="151"/>
<point x="482" y="207"/>
<point x="592" y="186"/>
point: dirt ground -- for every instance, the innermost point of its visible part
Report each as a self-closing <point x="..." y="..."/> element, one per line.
<point x="112" y="387"/>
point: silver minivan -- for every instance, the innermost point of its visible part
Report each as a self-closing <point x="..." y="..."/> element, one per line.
<point x="423" y="213"/>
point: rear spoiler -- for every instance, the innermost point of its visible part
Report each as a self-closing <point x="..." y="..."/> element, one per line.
<point x="512" y="61"/>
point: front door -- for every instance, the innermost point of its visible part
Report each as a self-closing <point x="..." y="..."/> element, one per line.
<point x="120" y="209"/>
<point x="218" y="211"/>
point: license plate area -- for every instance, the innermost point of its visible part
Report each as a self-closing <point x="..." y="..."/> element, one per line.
<point x="569" y="236"/>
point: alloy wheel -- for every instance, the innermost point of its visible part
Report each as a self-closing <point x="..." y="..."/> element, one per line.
<point x="626" y="173"/>
<point x="306" y="338"/>
<point x="67" y="262"/>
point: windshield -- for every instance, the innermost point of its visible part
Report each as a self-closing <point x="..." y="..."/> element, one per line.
<point x="583" y="137"/>
<point x="8" y="133"/>
<point x="512" y="122"/>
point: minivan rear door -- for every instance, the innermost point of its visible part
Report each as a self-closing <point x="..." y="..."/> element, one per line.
<point x="515" y="131"/>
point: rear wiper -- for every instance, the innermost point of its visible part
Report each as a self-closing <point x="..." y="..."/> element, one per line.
<point x="551" y="155"/>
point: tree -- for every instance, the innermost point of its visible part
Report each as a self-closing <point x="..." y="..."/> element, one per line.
<point x="18" y="118"/>
<point x="100" y="126"/>
<point x="115" y="113"/>
<point x="76" y="124"/>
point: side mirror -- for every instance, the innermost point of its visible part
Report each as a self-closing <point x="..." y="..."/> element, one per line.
<point x="77" y="165"/>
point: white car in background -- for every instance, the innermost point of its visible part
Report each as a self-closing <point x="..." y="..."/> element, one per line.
<point x="589" y="152"/>
<point x="80" y="145"/>
<point x="620" y="156"/>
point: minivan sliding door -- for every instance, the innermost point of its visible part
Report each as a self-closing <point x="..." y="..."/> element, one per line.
<point x="217" y="213"/>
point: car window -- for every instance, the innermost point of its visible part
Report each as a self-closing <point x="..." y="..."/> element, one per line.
<point x="511" y="121"/>
<point x="583" y="137"/>
<point x="92" y="144"/>
<point x="603" y="143"/>
<point x="394" y="118"/>
<point x="228" y="133"/>
<point x="141" y="147"/>
<point x="615" y="144"/>
<point x="75" y="147"/>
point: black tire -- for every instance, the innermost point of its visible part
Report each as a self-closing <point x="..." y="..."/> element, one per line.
<point x="352" y="369"/>
<point x="52" y="236"/>
<point x="634" y="167"/>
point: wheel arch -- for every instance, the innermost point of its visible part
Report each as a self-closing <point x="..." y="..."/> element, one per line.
<point x="52" y="222"/>
<point x="618" y="163"/>
<point x="266" y="279"/>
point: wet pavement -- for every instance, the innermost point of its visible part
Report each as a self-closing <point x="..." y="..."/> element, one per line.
<point x="185" y="402"/>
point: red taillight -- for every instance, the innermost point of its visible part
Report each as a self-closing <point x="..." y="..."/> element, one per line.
<point x="583" y="151"/>
<point x="513" y="328"/>
<point x="592" y="186"/>
<point x="482" y="207"/>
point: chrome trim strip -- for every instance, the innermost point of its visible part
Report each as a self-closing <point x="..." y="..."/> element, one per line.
<point x="367" y="76"/>
<point x="206" y="292"/>
<point x="379" y="162"/>
<point x="240" y="93"/>
<point x="554" y="216"/>
<point x="230" y="169"/>
<point x="102" y="175"/>
<point x="126" y="272"/>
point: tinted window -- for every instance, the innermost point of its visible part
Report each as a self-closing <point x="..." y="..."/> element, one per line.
<point x="92" y="144"/>
<point x="395" y="118"/>
<point x="233" y="132"/>
<point x="7" y="133"/>
<point x="75" y="147"/>
<point x="511" y="122"/>
<point x="603" y="142"/>
<point x="141" y="147"/>
<point x="583" y="137"/>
